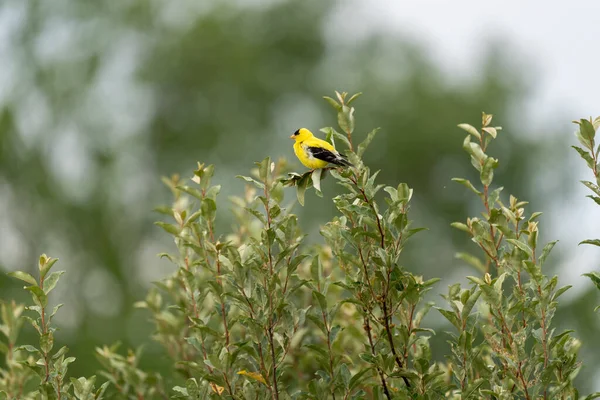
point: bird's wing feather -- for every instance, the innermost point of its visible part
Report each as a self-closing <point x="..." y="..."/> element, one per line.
<point x="322" y="150"/>
<point x="323" y="154"/>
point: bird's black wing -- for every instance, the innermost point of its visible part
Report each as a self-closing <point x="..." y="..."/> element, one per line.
<point x="327" y="155"/>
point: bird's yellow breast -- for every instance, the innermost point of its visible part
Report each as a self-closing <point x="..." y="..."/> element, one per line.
<point x="306" y="158"/>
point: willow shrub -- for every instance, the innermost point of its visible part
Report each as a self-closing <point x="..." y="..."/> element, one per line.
<point x="590" y="153"/>
<point x="255" y="313"/>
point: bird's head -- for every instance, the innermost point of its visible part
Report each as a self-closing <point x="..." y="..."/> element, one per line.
<point x="301" y="135"/>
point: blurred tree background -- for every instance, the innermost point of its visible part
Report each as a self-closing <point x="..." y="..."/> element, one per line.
<point x="99" y="99"/>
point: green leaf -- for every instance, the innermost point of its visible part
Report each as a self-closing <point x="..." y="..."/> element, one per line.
<point x="28" y="348"/>
<point x="39" y="297"/>
<point x="354" y="97"/>
<point x="209" y="209"/>
<point x="595" y="242"/>
<point x="100" y="392"/>
<point x="522" y="246"/>
<point x="55" y="309"/>
<point x="534" y="216"/>
<point x="316" y="180"/>
<point x="335" y="330"/>
<point x="487" y="170"/>
<point x="164" y="210"/>
<point x="546" y="251"/>
<point x="493" y="132"/>
<point x="595" y="198"/>
<point x="333" y="103"/>
<point x="264" y="167"/>
<point x="365" y="143"/>
<point x="593" y="187"/>
<point x="172" y="229"/>
<point x="24" y="276"/>
<point x="404" y="193"/>
<point x="320" y="299"/>
<point x="47" y="342"/>
<point x="192" y="388"/>
<point x="51" y="281"/>
<point x="468" y="306"/>
<point x="320" y="350"/>
<point x="360" y="377"/>
<point x="191" y="191"/>
<point x="476" y="280"/>
<point x="302" y="186"/>
<point x="595" y="277"/>
<point x="32" y="321"/>
<point x="594" y="395"/>
<point x="368" y="357"/>
<point x="451" y="317"/>
<point x="470" y="130"/>
<point x="476" y="153"/>
<point x="470" y="391"/>
<point x="468" y="184"/>
<point x="260" y="216"/>
<point x="182" y="390"/>
<point x="586" y="156"/>
<point x="346" y="119"/>
<point x="490" y="295"/>
<point x="333" y="134"/>
<point x="560" y="291"/>
<point x="461" y="226"/>
<point x="345" y="374"/>
<point x="45" y="264"/>
<point x="61" y="352"/>
<point x="587" y="130"/>
<point x="83" y="387"/>
<point x="250" y="180"/>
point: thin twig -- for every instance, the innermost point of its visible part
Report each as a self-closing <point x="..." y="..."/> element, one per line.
<point x="390" y="338"/>
<point x="275" y="391"/>
<point x="381" y="376"/>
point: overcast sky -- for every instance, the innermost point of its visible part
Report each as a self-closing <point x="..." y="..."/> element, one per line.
<point x="562" y="39"/>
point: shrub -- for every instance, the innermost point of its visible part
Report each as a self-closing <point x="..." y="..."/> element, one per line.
<point x="587" y="137"/>
<point x="256" y="313"/>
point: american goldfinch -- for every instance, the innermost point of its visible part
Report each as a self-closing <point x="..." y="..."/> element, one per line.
<point x="315" y="153"/>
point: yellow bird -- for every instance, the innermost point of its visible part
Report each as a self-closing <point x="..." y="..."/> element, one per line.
<point x="315" y="153"/>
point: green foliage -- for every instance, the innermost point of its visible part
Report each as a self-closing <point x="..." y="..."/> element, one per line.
<point x="256" y="313"/>
<point x="125" y="376"/>
<point x="251" y="299"/>
<point x="354" y="326"/>
<point x="90" y="187"/>
<point x="40" y="365"/>
<point x="508" y="347"/>
<point x="586" y="134"/>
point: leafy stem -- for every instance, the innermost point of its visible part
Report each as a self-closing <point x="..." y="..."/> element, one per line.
<point x="367" y="327"/>
<point x="271" y="319"/>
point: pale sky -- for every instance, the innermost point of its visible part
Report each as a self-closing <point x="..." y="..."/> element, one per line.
<point x="560" y="38"/>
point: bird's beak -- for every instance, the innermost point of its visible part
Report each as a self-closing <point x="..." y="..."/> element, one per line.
<point x="291" y="137"/>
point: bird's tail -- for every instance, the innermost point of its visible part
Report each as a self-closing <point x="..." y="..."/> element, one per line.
<point x="342" y="161"/>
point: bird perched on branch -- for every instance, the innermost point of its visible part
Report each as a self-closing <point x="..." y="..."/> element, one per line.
<point x="315" y="153"/>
